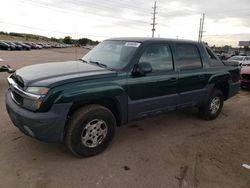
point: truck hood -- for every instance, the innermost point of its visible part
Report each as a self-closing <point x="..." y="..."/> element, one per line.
<point x="51" y="74"/>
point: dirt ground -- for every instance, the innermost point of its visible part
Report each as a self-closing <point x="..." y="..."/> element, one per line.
<point x="174" y="150"/>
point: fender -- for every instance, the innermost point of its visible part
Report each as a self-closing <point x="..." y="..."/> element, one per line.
<point x="84" y="93"/>
<point x="223" y="80"/>
<point x="220" y="77"/>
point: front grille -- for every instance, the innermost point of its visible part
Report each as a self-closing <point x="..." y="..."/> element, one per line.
<point x="21" y="97"/>
<point x="18" y="81"/>
<point x="17" y="98"/>
<point x="246" y="76"/>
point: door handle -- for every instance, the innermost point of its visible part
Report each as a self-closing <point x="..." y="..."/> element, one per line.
<point x="202" y="76"/>
<point x="174" y="79"/>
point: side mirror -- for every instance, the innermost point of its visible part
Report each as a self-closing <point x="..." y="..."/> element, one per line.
<point x="142" y="69"/>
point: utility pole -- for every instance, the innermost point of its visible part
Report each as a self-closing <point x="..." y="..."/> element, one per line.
<point x="201" y="29"/>
<point x="199" y="36"/>
<point x="202" y="25"/>
<point x="154" y="18"/>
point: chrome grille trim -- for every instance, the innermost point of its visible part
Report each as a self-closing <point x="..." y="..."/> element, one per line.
<point x="14" y="87"/>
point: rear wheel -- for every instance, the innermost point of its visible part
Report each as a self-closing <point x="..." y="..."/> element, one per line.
<point x="90" y="130"/>
<point x="213" y="107"/>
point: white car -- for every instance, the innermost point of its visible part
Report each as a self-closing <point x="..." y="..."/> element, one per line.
<point x="241" y="60"/>
<point x="246" y="61"/>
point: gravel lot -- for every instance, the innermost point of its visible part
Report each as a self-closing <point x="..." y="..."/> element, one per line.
<point x="171" y="150"/>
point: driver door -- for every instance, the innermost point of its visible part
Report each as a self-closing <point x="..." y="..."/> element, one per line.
<point x="154" y="92"/>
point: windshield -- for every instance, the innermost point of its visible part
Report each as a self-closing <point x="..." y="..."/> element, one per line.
<point x="113" y="54"/>
<point x="237" y="58"/>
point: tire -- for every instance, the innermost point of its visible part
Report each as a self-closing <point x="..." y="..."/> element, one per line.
<point x="212" y="109"/>
<point x="90" y="130"/>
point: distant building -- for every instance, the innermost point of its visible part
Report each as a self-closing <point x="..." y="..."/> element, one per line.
<point x="245" y="50"/>
<point x="244" y="43"/>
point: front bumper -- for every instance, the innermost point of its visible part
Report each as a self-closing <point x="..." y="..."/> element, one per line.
<point x="47" y="126"/>
<point x="245" y="83"/>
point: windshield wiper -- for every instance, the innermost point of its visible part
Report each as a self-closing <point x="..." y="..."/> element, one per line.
<point x="98" y="63"/>
<point x="101" y="65"/>
<point x="83" y="60"/>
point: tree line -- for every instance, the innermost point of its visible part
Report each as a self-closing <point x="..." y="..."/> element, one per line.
<point x="66" y="39"/>
<point x="82" y="41"/>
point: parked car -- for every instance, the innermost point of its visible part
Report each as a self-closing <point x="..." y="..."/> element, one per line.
<point x="4" y="46"/>
<point x="88" y="47"/>
<point x="17" y="46"/>
<point x="44" y="45"/>
<point x="246" y="61"/>
<point x="223" y="55"/>
<point x="12" y="46"/>
<point x="53" y="45"/>
<point x="236" y="60"/>
<point x="39" y="46"/>
<point x="24" y="46"/>
<point x="82" y="102"/>
<point x="245" y="77"/>
<point x="32" y="45"/>
<point x="58" y="46"/>
<point x="49" y="45"/>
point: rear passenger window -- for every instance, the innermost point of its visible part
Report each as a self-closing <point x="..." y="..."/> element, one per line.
<point x="159" y="57"/>
<point x="188" y="57"/>
<point x="213" y="60"/>
<point x="210" y="53"/>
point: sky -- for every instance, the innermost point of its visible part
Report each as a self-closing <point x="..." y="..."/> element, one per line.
<point x="226" y="21"/>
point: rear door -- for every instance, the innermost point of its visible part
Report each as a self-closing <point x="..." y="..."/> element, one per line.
<point x="154" y="92"/>
<point x="193" y="76"/>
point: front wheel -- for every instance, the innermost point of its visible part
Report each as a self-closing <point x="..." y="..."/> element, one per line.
<point x="90" y="130"/>
<point x="213" y="107"/>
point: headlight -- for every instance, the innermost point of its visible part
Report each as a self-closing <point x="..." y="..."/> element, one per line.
<point x="32" y="104"/>
<point x="37" y="90"/>
<point x="35" y="104"/>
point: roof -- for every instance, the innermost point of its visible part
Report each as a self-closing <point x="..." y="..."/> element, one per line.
<point x="148" y="39"/>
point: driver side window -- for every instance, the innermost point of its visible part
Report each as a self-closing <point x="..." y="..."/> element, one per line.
<point x="159" y="57"/>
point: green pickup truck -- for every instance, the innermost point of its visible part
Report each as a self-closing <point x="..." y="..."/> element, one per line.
<point x="82" y="102"/>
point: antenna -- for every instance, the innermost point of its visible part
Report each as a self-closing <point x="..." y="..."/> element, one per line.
<point x="154" y="18"/>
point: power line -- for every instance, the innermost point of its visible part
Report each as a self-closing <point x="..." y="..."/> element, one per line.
<point x="77" y="13"/>
<point x="154" y="18"/>
<point x="96" y="16"/>
<point x="55" y="31"/>
<point x="133" y="7"/>
<point x="93" y="5"/>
